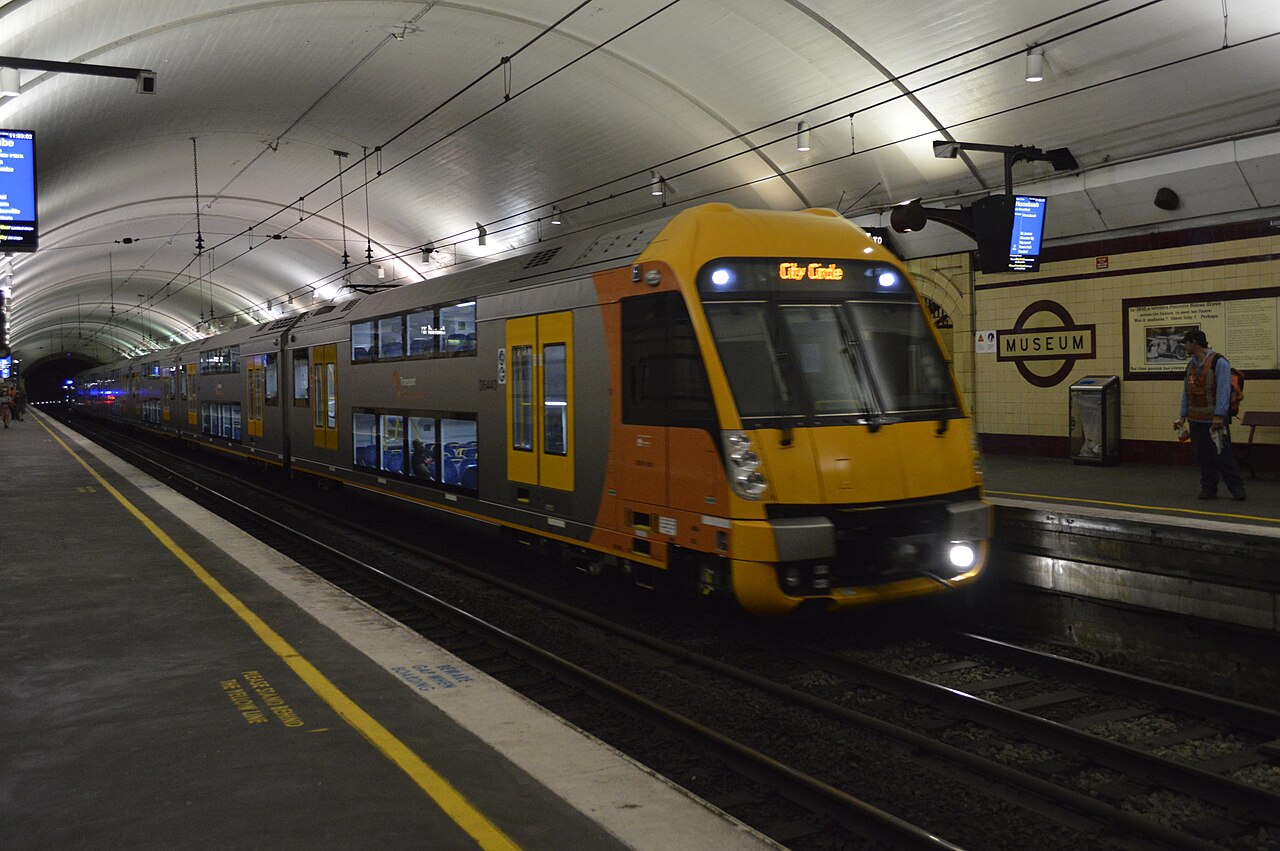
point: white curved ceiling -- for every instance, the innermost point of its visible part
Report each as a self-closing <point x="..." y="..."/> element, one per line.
<point x="490" y="112"/>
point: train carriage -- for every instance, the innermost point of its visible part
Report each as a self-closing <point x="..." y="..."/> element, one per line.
<point x="753" y="404"/>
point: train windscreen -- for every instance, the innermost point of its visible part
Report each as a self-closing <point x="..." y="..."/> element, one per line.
<point x="852" y="346"/>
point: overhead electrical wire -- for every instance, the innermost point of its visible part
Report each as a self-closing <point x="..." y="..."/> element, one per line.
<point x="736" y="138"/>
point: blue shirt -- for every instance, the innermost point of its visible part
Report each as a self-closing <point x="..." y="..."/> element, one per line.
<point x="1221" y="386"/>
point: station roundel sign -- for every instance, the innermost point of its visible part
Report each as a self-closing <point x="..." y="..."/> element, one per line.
<point x="1064" y="343"/>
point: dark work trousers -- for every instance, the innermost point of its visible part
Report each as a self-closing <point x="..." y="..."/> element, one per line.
<point x="1215" y="464"/>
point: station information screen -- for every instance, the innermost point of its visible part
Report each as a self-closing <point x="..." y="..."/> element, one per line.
<point x="1028" y="228"/>
<point x="18" y="228"/>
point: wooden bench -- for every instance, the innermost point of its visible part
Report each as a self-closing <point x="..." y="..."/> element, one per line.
<point x="1253" y="419"/>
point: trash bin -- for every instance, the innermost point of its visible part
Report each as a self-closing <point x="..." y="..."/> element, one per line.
<point x="1095" y="420"/>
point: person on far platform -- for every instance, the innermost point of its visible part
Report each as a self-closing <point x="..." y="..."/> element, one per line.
<point x="1206" y="408"/>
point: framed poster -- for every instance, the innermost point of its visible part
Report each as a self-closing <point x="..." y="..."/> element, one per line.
<point x="1244" y="325"/>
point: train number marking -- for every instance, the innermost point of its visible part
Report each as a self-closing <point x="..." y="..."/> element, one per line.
<point x="488" y="384"/>
<point x="502" y="366"/>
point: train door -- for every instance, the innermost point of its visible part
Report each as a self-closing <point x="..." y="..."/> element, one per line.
<point x="324" y="396"/>
<point x="170" y="394"/>
<point x="189" y="393"/>
<point x="255" y="377"/>
<point x="540" y="401"/>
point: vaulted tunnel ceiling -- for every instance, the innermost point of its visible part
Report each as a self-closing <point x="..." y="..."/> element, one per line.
<point x="453" y="114"/>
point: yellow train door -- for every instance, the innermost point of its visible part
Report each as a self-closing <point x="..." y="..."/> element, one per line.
<point x="540" y="401"/>
<point x="169" y="394"/>
<point x="324" y="396"/>
<point x="255" y="376"/>
<point x="190" y="395"/>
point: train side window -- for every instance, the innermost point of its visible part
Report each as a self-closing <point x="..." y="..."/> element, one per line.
<point x="391" y="434"/>
<point x="664" y="379"/>
<point x="301" y="379"/>
<point x="272" y="372"/>
<point x="364" y="439"/>
<point x="390" y="337"/>
<point x="555" y="400"/>
<point x="424" y="444"/>
<point x="221" y="419"/>
<point x="362" y="342"/>
<point x="422" y="333"/>
<point x="459" y="325"/>
<point x="522" y="398"/>
<point x="459" y="453"/>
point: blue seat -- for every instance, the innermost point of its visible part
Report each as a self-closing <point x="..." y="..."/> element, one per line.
<point x="393" y="460"/>
<point x="359" y="353"/>
<point x="367" y="456"/>
<point x="392" y="350"/>
<point x="452" y="471"/>
<point x="470" y="476"/>
<point x="417" y="347"/>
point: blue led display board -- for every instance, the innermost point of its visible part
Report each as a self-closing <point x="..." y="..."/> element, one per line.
<point x="1028" y="228"/>
<point x="18" y="228"/>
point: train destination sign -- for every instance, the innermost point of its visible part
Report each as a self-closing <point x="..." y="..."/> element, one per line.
<point x="810" y="271"/>
<point x="18" y="229"/>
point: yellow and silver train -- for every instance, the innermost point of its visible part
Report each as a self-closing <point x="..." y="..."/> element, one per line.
<point x="747" y="404"/>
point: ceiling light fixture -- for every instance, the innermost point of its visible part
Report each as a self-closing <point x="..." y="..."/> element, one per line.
<point x="382" y="273"/>
<point x="483" y="233"/>
<point x="656" y="182"/>
<point x="802" y="136"/>
<point x="556" y="216"/>
<point x="10" y="85"/>
<point x="1035" y="64"/>
<point x="426" y="251"/>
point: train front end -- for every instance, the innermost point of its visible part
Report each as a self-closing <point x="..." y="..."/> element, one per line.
<point x="851" y="462"/>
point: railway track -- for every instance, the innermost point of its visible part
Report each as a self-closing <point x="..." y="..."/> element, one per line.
<point x="1033" y="732"/>
<point x="784" y="802"/>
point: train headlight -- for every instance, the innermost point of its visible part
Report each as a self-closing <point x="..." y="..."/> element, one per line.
<point x="961" y="555"/>
<point x="743" y="466"/>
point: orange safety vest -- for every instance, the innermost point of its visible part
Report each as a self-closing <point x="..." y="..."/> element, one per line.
<point x="1202" y="390"/>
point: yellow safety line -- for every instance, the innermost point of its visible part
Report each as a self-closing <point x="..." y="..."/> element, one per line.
<point x="1130" y="505"/>
<point x="449" y="799"/>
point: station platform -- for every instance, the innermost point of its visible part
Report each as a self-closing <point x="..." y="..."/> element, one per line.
<point x="169" y="682"/>
<point x="1138" y="535"/>
<point x="1152" y="490"/>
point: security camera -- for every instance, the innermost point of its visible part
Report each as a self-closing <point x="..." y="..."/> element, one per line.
<point x="146" y="82"/>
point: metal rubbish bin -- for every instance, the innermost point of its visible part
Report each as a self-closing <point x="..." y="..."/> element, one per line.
<point x="1095" y="420"/>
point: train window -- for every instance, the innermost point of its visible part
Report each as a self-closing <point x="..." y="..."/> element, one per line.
<point x="459" y="457"/>
<point x="522" y="398"/>
<point x="555" y="401"/>
<point x="424" y="449"/>
<point x="905" y="360"/>
<point x="301" y="374"/>
<point x="390" y="337"/>
<point x="331" y="393"/>
<point x="458" y="322"/>
<point x="364" y="439"/>
<point x="220" y="419"/>
<point x="751" y="363"/>
<point x="664" y="380"/>
<point x="422" y="333"/>
<point x="220" y="361"/>
<point x="823" y="355"/>
<point x="391" y="433"/>
<point x="272" y="372"/>
<point x="362" y="342"/>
